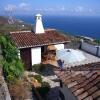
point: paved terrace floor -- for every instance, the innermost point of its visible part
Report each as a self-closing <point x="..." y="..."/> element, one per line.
<point x="89" y="59"/>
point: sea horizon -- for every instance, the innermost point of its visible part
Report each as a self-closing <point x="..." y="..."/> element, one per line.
<point x="87" y="26"/>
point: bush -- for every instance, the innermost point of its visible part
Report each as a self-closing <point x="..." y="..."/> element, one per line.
<point x="44" y="89"/>
<point x="38" y="78"/>
<point x="45" y="84"/>
<point x="38" y="67"/>
<point x="12" y="65"/>
<point x="18" y="90"/>
<point x="11" y="79"/>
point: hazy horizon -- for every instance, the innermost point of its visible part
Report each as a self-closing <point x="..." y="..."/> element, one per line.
<point x="44" y="7"/>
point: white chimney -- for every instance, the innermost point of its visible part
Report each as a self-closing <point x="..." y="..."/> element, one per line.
<point x="38" y="29"/>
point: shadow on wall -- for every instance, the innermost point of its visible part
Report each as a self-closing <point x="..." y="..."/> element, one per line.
<point x="73" y="45"/>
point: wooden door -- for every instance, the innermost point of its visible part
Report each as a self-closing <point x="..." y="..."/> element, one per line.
<point x="26" y="58"/>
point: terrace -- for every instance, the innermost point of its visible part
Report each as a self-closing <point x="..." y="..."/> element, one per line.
<point x="80" y="80"/>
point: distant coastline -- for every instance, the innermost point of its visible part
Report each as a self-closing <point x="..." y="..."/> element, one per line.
<point x="81" y="26"/>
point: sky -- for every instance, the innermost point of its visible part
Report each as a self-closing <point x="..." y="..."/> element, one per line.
<point x="50" y="7"/>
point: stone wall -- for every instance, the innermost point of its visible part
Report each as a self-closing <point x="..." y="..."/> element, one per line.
<point x="4" y="92"/>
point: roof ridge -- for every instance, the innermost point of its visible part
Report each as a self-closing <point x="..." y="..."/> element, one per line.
<point x="19" y="32"/>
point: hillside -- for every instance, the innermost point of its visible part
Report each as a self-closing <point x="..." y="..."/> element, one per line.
<point x="6" y="27"/>
<point x="3" y="20"/>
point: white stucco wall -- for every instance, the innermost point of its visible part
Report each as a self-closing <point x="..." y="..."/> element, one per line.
<point x="89" y="48"/>
<point x="59" y="46"/>
<point x="19" y="54"/>
<point x="36" y="55"/>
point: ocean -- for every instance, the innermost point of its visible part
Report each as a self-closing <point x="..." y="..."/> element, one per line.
<point x="74" y="25"/>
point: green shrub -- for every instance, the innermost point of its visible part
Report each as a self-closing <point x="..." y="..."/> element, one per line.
<point x="44" y="89"/>
<point x="11" y="79"/>
<point x="38" y="67"/>
<point x="38" y="78"/>
<point x="12" y="65"/>
<point x="45" y="84"/>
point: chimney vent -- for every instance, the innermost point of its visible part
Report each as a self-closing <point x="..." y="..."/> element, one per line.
<point x="38" y="29"/>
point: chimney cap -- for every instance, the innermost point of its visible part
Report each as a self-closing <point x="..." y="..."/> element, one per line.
<point x="38" y="15"/>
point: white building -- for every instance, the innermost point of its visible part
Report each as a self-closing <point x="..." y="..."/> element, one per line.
<point x="32" y="45"/>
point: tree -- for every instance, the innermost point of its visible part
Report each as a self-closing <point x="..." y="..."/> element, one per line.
<point x="12" y="65"/>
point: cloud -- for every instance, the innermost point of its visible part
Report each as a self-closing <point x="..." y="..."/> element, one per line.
<point x="79" y="9"/>
<point x="63" y="8"/>
<point x="90" y="10"/>
<point x="46" y="9"/>
<point x="38" y="9"/>
<point x="10" y="8"/>
<point x="51" y="9"/>
<point x="24" y="6"/>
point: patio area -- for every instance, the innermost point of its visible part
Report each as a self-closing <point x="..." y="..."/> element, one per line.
<point x="89" y="59"/>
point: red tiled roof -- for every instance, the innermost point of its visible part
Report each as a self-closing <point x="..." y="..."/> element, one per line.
<point x="30" y="39"/>
<point x="84" y="84"/>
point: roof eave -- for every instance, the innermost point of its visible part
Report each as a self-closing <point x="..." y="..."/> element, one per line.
<point x="33" y="46"/>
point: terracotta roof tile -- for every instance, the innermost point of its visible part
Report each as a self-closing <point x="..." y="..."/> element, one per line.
<point x="92" y="90"/>
<point x="82" y="96"/>
<point x="30" y="39"/>
<point x="72" y="84"/>
<point x="82" y="79"/>
<point x="85" y="85"/>
<point x="79" y="91"/>
<point x="96" y="94"/>
<point x="88" y="98"/>
<point x="98" y="85"/>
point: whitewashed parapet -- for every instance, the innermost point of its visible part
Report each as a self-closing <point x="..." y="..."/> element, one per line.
<point x="59" y="46"/>
<point x="95" y="50"/>
<point x="89" y="48"/>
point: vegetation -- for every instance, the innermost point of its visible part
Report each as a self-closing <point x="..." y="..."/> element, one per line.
<point x="38" y="67"/>
<point x="97" y="41"/>
<point x="38" y="78"/>
<point x="19" y="91"/>
<point x="12" y="65"/>
<point x="18" y="25"/>
<point x="44" y="89"/>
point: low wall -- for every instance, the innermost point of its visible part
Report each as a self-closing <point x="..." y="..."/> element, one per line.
<point x="92" y="49"/>
<point x="59" y="46"/>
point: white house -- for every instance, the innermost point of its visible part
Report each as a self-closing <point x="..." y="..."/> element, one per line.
<point x="32" y="44"/>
